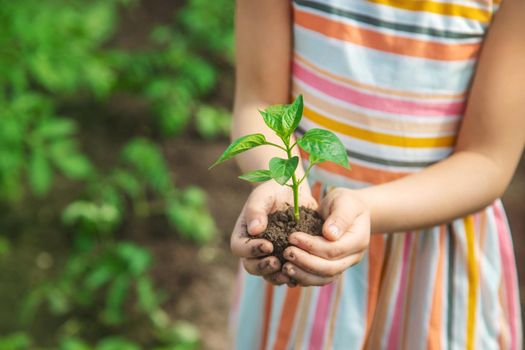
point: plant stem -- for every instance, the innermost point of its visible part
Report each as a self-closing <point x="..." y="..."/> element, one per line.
<point x="273" y="144"/>
<point x="295" y="187"/>
<point x="306" y="173"/>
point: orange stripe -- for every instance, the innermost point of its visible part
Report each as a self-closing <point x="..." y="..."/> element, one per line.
<point x="287" y="318"/>
<point x="408" y="297"/>
<point x="303" y="318"/>
<point x="385" y="42"/>
<point x="377" y="89"/>
<point x="442" y="8"/>
<point x="267" y="311"/>
<point x="316" y="191"/>
<point x="434" y="327"/>
<point x="376" y="255"/>
<point x="329" y="340"/>
<point x="358" y="172"/>
<point x="473" y="281"/>
<point x="392" y="265"/>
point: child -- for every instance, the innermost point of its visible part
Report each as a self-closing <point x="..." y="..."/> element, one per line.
<point x="419" y="211"/>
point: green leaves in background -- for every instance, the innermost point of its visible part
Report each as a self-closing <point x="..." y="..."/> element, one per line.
<point x="5" y="247"/>
<point x="241" y="145"/>
<point x="101" y="218"/>
<point x="188" y="212"/>
<point x="212" y="122"/>
<point x="284" y="119"/>
<point x="282" y="170"/>
<point x="58" y="53"/>
<point x="39" y="172"/>
<point x="147" y="160"/>
<point x="108" y="343"/>
<point x="15" y="341"/>
<point x="323" y="145"/>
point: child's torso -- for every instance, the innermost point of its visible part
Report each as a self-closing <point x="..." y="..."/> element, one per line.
<point x="390" y="77"/>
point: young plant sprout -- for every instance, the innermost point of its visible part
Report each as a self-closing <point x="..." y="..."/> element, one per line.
<point x="322" y="145"/>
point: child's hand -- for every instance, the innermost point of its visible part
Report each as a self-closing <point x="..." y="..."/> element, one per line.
<point x="264" y="199"/>
<point x="320" y="260"/>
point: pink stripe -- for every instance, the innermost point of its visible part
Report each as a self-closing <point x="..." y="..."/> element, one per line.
<point x="321" y="315"/>
<point x="509" y="273"/>
<point x="395" y="330"/>
<point x="383" y="104"/>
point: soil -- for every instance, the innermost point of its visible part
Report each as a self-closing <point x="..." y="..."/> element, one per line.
<point x="282" y="224"/>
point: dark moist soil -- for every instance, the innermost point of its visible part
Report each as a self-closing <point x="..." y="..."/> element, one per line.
<point x="282" y="223"/>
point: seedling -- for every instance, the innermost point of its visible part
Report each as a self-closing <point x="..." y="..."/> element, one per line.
<point x="322" y="145"/>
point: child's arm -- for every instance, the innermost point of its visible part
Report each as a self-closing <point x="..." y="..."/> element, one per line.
<point x="488" y="149"/>
<point x="262" y="68"/>
<point x="489" y="144"/>
<point x="263" y="54"/>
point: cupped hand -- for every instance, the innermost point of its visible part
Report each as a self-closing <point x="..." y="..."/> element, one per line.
<point x="320" y="260"/>
<point x="264" y="199"/>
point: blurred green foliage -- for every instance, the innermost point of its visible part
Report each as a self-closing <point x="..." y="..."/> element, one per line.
<point x="56" y="51"/>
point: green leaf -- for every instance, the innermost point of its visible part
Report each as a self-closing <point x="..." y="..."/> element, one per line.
<point x="148" y="161"/>
<point x="283" y="169"/>
<point x="324" y="145"/>
<point x="284" y="119"/>
<point x="191" y="222"/>
<point x="5" y="247"/>
<point x="73" y="343"/>
<point x="40" y="173"/>
<point x="257" y="176"/>
<point x="55" y="128"/>
<point x="127" y="182"/>
<point x="74" y="166"/>
<point x="148" y="300"/>
<point x="99" y="276"/>
<point x="194" y="196"/>
<point x="136" y="258"/>
<point x="15" y="341"/>
<point x="294" y="114"/>
<point x="240" y="145"/>
<point x="115" y="297"/>
<point x="116" y="343"/>
<point x="212" y="122"/>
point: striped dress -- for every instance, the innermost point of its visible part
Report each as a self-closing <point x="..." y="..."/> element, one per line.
<point x="390" y="78"/>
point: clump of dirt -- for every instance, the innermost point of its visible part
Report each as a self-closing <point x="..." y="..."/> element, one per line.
<point x="282" y="223"/>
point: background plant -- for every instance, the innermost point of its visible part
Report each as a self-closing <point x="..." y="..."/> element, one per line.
<point x="54" y="54"/>
<point x="321" y="145"/>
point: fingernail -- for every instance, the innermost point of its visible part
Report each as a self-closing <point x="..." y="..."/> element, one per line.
<point x="264" y="249"/>
<point x="334" y="230"/>
<point x="263" y="265"/>
<point x="290" y="271"/>
<point x="253" y="224"/>
<point x="289" y="256"/>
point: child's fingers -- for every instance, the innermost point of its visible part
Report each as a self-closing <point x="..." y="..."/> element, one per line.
<point x="256" y="211"/>
<point x="244" y="246"/>
<point x="250" y="248"/>
<point x="339" y="210"/>
<point x="262" y="267"/>
<point x="319" y="266"/>
<point x="305" y="278"/>
<point x="277" y="278"/>
<point x="350" y="242"/>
